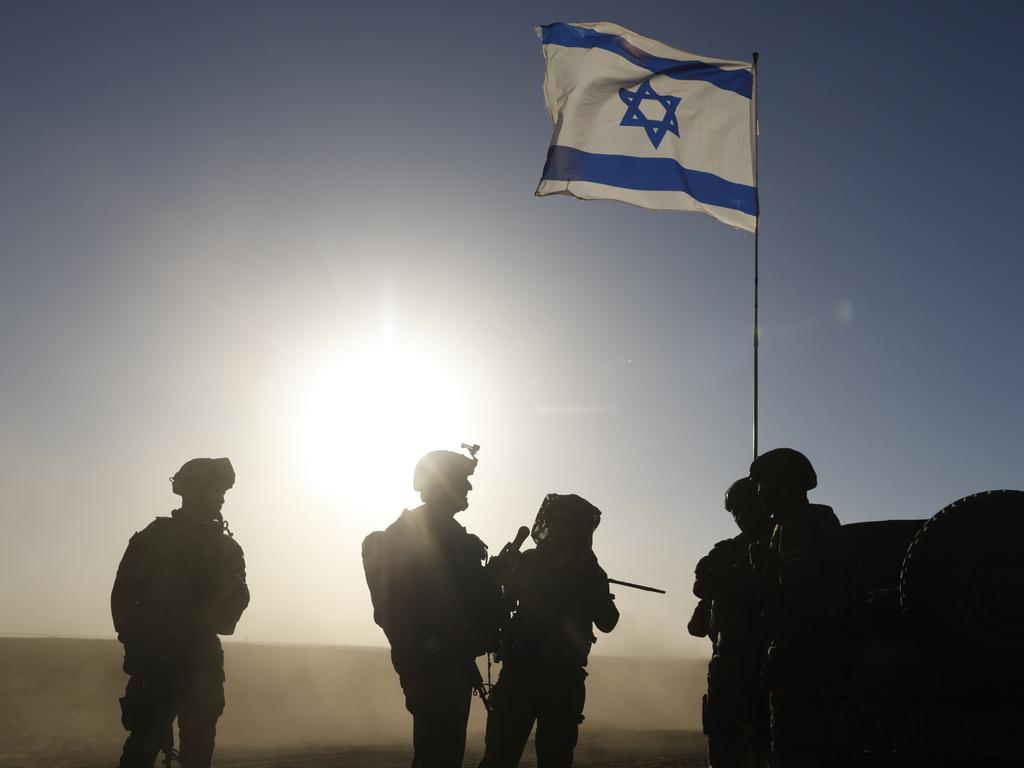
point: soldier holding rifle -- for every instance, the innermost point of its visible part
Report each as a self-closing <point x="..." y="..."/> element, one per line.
<point x="437" y="605"/>
<point x="560" y="593"/>
<point x="730" y="584"/>
<point x="813" y="613"/>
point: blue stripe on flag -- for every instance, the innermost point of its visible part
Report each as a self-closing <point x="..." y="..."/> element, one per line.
<point x="654" y="174"/>
<point x="737" y="80"/>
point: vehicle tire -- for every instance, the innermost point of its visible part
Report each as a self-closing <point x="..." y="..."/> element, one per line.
<point x="962" y="582"/>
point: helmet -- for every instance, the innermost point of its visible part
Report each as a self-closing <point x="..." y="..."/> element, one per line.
<point x="200" y="473"/>
<point x="438" y="466"/>
<point x="787" y="465"/>
<point x="568" y="509"/>
<point x="741" y="495"/>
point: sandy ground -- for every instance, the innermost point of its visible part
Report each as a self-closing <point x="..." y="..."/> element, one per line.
<point x="320" y="706"/>
<point x="598" y="748"/>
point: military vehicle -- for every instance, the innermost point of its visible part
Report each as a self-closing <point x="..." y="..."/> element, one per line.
<point x="942" y="677"/>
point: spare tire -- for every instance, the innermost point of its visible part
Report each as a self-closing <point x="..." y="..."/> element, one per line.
<point x="880" y="547"/>
<point x="962" y="581"/>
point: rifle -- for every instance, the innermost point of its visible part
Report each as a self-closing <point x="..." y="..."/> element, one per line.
<point x="636" y="586"/>
<point x="478" y="683"/>
<point x="501" y="560"/>
<point x="503" y="568"/>
<point x="516" y="543"/>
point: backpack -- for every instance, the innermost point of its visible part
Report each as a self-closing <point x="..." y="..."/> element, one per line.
<point x="375" y="569"/>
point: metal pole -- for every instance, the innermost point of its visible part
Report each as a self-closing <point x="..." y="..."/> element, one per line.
<point x="757" y="220"/>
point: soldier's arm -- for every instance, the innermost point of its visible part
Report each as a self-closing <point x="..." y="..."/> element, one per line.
<point x="703" y="578"/>
<point x="405" y="638"/>
<point x="601" y="601"/>
<point x="699" y="624"/>
<point x="134" y="605"/>
<point x="847" y="596"/>
<point x="231" y="595"/>
<point x="400" y="613"/>
<point x="723" y="573"/>
<point x="126" y="607"/>
<point x="802" y="572"/>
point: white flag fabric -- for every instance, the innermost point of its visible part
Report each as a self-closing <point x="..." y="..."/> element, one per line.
<point x="640" y="122"/>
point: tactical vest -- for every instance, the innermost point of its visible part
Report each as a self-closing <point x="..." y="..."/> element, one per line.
<point x="168" y="582"/>
<point x="430" y="592"/>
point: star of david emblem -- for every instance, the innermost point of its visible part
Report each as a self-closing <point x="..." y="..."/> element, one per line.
<point x="656" y="129"/>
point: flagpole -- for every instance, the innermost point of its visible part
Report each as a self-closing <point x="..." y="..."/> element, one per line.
<point x="757" y="220"/>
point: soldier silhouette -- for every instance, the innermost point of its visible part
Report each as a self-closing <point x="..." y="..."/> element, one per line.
<point x="813" y="612"/>
<point x="180" y="584"/>
<point x="437" y="605"/>
<point x="560" y="593"/>
<point x="729" y="582"/>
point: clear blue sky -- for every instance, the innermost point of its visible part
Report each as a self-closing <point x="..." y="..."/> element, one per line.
<point x="214" y="216"/>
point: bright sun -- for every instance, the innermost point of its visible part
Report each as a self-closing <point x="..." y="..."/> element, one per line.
<point x="366" y="414"/>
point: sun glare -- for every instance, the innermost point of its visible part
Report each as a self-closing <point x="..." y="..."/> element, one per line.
<point x="364" y="416"/>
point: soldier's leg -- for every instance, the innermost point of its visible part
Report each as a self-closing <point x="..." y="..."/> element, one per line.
<point x="724" y="711"/>
<point x="845" y="748"/>
<point x="147" y="713"/>
<point x="724" y="752"/>
<point x="509" y="722"/>
<point x="439" y="724"/>
<point x="799" y="724"/>
<point x="560" y="712"/>
<point x="202" y="704"/>
<point x="760" y="724"/>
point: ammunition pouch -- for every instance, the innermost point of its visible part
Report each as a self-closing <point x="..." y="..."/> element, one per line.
<point x="149" y="699"/>
<point x="717" y="725"/>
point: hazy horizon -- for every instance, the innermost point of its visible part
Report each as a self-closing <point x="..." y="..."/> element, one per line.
<point x="281" y="698"/>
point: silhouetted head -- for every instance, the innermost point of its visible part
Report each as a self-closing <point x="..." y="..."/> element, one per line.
<point x="566" y="522"/>
<point x="202" y="483"/>
<point x="783" y="477"/>
<point x="442" y="479"/>
<point x="742" y="501"/>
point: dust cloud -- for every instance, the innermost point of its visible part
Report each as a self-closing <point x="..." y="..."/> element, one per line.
<point x="58" y="699"/>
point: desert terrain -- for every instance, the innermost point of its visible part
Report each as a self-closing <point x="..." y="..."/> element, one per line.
<point x="293" y="705"/>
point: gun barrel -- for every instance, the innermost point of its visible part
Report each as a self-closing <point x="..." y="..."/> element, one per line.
<point x="478" y="686"/>
<point x="636" y="586"/>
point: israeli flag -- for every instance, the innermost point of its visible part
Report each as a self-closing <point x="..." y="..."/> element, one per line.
<point x="640" y="122"/>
